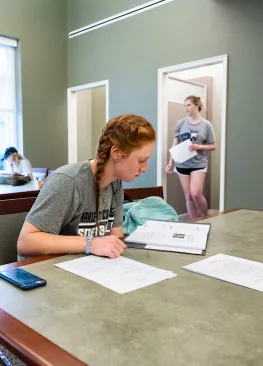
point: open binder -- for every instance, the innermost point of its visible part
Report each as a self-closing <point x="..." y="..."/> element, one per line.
<point x="170" y="236"/>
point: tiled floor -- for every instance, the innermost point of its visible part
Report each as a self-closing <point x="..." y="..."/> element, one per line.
<point x="14" y="361"/>
<point x="185" y="217"/>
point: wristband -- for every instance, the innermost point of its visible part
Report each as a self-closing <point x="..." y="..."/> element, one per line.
<point x="87" y="248"/>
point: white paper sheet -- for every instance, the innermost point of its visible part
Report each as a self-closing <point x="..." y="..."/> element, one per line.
<point x="174" y="249"/>
<point x="121" y="274"/>
<point x="171" y="234"/>
<point x="236" y="270"/>
<point x="181" y="153"/>
<point x="170" y="226"/>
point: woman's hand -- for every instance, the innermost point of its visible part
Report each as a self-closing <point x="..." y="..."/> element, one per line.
<point x="108" y="246"/>
<point x="169" y="168"/>
<point x="194" y="147"/>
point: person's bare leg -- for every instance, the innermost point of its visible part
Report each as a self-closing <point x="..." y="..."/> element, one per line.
<point x="197" y="179"/>
<point x="190" y="204"/>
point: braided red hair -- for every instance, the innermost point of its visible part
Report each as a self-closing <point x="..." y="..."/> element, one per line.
<point x="126" y="132"/>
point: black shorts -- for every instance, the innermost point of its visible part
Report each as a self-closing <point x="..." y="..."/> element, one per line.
<point x="187" y="171"/>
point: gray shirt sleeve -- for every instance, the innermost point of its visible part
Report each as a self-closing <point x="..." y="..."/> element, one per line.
<point x="118" y="218"/>
<point x="178" y="127"/>
<point x="210" y="134"/>
<point x="56" y="204"/>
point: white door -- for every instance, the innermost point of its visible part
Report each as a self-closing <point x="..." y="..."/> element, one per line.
<point x="88" y="112"/>
<point x="84" y="124"/>
<point x="91" y="117"/>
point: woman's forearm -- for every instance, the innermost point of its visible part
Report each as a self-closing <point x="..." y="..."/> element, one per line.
<point x="209" y="147"/>
<point x="175" y="142"/>
<point x="40" y="243"/>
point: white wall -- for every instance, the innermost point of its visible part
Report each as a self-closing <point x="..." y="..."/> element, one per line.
<point x="84" y="125"/>
<point x="178" y="90"/>
<point x="216" y="72"/>
<point x="98" y="115"/>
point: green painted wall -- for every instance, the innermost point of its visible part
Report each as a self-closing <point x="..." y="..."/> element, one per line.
<point x="41" y="27"/>
<point x="129" y="53"/>
<point x="83" y="12"/>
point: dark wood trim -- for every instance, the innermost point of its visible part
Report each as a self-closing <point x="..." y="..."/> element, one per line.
<point x="141" y="193"/>
<point x="11" y="206"/>
<point x="30" y="346"/>
<point x="13" y="195"/>
<point x="133" y="193"/>
<point x="28" y="261"/>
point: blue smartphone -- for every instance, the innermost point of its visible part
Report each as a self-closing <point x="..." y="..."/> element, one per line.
<point x="22" y="279"/>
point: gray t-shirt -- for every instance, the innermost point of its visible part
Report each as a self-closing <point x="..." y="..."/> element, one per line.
<point x="200" y="133"/>
<point x="66" y="204"/>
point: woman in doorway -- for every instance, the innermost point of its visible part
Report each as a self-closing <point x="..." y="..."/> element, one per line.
<point x="81" y="203"/>
<point x="193" y="171"/>
<point x="16" y="163"/>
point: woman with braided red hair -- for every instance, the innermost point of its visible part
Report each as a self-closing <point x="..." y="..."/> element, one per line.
<point x="79" y="208"/>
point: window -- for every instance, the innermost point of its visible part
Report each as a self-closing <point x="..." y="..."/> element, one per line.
<point x="8" y="120"/>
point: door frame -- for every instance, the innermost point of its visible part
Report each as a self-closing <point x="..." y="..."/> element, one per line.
<point x="163" y="119"/>
<point x="72" y="115"/>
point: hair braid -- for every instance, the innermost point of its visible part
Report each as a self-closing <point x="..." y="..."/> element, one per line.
<point x="127" y="133"/>
<point x="103" y="153"/>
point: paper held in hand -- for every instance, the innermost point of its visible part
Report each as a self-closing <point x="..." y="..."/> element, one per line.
<point x="181" y="152"/>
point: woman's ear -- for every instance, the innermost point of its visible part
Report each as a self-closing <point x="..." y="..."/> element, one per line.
<point x="116" y="154"/>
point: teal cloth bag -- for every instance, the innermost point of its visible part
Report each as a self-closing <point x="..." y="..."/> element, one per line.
<point x="150" y="208"/>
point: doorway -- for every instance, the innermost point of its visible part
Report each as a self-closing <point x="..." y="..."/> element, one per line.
<point x="88" y="112"/>
<point x="207" y="79"/>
